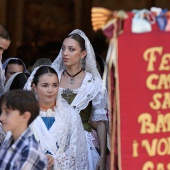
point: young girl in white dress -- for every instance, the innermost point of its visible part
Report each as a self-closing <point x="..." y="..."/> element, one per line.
<point x="58" y="127"/>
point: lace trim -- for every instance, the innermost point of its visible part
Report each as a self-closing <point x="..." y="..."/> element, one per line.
<point x="99" y="118"/>
<point x="7" y="61"/>
<point x="48" y="113"/>
<point x="9" y="82"/>
<point x="88" y="91"/>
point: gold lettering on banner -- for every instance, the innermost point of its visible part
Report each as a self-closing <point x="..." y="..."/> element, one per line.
<point x="166" y="101"/>
<point x="158" y="122"/>
<point x="151" y="149"/>
<point x="157" y="146"/>
<point x="167" y="121"/>
<point x="162" y="123"/>
<point x="150" y="56"/>
<point x="146" y="123"/>
<point x="165" y="149"/>
<point x="158" y="82"/>
<point x="165" y="62"/>
<point x="160" y="166"/>
<point x="164" y="82"/>
<point x="168" y="166"/>
<point x="151" y="81"/>
<point x="149" y="165"/>
<point x="135" y="148"/>
<point x="158" y="104"/>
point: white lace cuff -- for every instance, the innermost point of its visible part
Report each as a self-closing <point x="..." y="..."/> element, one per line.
<point x="99" y="117"/>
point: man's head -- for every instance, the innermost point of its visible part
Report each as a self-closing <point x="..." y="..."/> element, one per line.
<point x="14" y="66"/>
<point x="18" y="109"/>
<point x="4" y="39"/>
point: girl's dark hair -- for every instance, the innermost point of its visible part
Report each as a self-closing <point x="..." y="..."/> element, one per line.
<point x="4" y="33"/>
<point x="79" y="39"/>
<point x="19" y="81"/>
<point x="41" y="71"/>
<point x="21" y="100"/>
<point x="14" y="61"/>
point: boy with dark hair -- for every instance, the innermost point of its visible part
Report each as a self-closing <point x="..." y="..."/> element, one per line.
<point x="20" y="150"/>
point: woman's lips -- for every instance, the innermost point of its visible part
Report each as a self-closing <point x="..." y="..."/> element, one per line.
<point x="65" y="59"/>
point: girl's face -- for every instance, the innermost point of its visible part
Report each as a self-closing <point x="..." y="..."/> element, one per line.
<point x="72" y="52"/>
<point x="47" y="89"/>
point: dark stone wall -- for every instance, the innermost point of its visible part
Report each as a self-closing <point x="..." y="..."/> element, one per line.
<point x="38" y="22"/>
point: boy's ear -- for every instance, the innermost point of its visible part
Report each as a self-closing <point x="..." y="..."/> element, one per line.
<point x="26" y="116"/>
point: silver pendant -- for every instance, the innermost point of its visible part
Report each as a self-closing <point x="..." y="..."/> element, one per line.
<point x="71" y="80"/>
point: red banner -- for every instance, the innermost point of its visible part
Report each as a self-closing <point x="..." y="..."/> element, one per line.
<point x="144" y="101"/>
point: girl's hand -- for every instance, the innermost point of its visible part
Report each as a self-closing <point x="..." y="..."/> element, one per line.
<point x="50" y="160"/>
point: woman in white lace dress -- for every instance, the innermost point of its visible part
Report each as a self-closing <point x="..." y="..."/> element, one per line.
<point x="81" y="86"/>
<point x="58" y="127"/>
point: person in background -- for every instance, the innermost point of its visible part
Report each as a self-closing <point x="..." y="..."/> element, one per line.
<point x="58" y="127"/>
<point x="40" y="62"/>
<point x="16" y="81"/>
<point x="12" y="66"/>
<point x="20" y="150"/>
<point x="5" y="41"/>
<point x="81" y="86"/>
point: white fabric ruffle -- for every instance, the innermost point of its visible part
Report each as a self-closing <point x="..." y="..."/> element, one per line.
<point x="91" y="90"/>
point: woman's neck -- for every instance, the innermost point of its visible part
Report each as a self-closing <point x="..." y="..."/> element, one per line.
<point x="73" y="70"/>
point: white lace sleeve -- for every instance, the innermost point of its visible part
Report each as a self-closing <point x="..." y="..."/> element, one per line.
<point x="99" y="106"/>
<point x="73" y="155"/>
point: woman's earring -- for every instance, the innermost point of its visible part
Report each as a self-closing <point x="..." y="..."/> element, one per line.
<point x="83" y="63"/>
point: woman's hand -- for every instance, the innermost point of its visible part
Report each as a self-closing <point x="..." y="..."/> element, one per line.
<point x="50" y="160"/>
<point x="101" y="165"/>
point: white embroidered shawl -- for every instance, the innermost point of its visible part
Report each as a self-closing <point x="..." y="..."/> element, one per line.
<point x="65" y="139"/>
